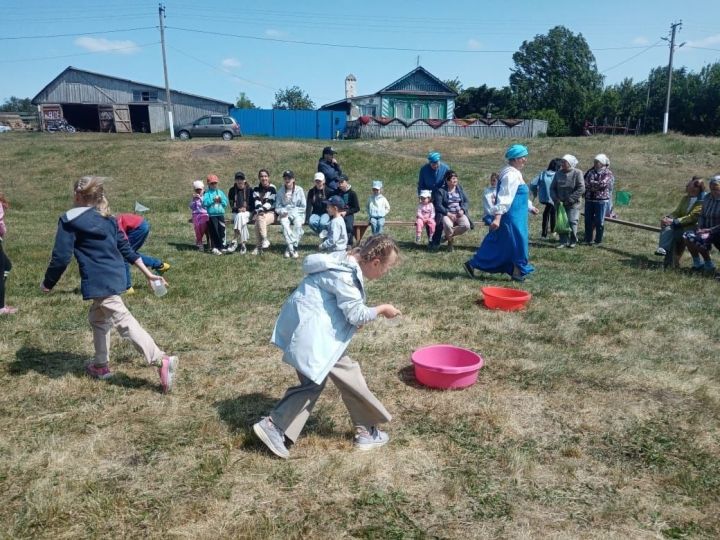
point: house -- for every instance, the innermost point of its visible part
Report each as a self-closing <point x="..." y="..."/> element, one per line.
<point x="414" y="96"/>
<point x="96" y="102"/>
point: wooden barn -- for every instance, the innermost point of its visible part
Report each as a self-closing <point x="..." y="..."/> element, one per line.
<point x="96" y="102"/>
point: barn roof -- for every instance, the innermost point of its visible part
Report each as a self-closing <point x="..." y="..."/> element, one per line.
<point x="162" y="88"/>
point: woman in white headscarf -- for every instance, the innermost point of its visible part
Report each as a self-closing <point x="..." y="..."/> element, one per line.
<point x="599" y="181"/>
<point x="567" y="187"/>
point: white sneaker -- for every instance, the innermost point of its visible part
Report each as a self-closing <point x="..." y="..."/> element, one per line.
<point x="243" y="249"/>
<point x="287" y="253"/>
<point x="231" y="249"/>
<point x="255" y="251"/>
<point x="216" y="251"/>
<point x="660" y="252"/>
<point x="294" y="254"/>
<point x="265" y="244"/>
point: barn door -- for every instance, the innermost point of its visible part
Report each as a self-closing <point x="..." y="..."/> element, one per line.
<point x="122" y="119"/>
<point x="106" y="118"/>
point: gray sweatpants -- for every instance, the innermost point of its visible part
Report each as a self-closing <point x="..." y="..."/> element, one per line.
<point x="293" y="410"/>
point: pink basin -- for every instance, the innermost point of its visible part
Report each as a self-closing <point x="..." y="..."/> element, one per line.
<point x="446" y="366"/>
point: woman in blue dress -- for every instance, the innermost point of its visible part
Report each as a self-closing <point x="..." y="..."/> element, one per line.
<point x="505" y="248"/>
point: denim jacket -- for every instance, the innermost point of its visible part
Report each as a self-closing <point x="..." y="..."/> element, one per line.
<point x="320" y="317"/>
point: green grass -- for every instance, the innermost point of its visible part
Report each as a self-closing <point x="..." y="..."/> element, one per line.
<point x="596" y="415"/>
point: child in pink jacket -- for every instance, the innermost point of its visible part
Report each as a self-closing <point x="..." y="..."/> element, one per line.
<point x="425" y="216"/>
<point x="200" y="216"/>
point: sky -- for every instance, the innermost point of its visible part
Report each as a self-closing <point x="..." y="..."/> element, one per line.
<point x="220" y="48"/>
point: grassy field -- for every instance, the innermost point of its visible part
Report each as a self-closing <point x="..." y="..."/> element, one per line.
<point x="597" y="414"/>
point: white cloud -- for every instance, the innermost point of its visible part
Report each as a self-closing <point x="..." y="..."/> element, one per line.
<point x="473" y="44"/>
<point x="705" y="42"/>
<point x="230" y="63"/>
<point x="274" y="33"/>
<point x="640" y="40"/>
<point x="93" y="44"/>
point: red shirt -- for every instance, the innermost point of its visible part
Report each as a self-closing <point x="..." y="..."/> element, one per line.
<point x="128" y="222"/>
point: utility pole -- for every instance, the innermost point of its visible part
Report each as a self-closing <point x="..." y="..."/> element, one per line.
<point x="666" y="116"/>
<point x="168" y="99"/>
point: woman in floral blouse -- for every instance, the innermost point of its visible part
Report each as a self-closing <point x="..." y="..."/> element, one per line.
<point x="598" y="185"/>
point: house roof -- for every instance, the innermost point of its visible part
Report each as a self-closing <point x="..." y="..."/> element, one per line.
<point x="419" y="81"/>
<point x="71" y="68"/>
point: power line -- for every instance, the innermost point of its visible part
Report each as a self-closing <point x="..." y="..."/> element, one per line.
<point x="78" y="54"/>
<point x="222" y="70"/>
<point x="81" y="33"/>
<point x="656" y="44"/>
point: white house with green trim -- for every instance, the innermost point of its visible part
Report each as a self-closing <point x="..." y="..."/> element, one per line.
<point x="414" y="96"/>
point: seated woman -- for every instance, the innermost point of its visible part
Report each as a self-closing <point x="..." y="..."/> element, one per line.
<point x="707" y="234"/>
<point x="680" y="221"/>
<point x="316" y="211"/>
<point x="451" y="208"/>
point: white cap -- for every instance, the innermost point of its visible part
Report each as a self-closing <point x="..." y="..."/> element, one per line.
<point x="319" y="176"/>
<point x="602" y="158"/>
<point x="426" y="193"/>
<point x="377" y="184"/>
<point x="197" y="184"/>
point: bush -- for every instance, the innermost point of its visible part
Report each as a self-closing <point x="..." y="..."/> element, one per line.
<point x="557" y="127"/>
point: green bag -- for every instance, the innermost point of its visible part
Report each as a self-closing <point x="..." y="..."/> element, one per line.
<point x="622" y="198"/>
<point x="562" y="225"/>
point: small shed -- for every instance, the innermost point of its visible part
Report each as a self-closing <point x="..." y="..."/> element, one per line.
<point x="96" y="102"/>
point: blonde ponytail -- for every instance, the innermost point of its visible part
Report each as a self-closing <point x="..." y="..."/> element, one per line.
<point x="91" y="191"/>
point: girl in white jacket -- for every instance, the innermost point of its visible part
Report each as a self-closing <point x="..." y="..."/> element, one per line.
<point x="314" y="329"/>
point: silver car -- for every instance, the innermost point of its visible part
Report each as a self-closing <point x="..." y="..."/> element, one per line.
<point x="214" y="125"/>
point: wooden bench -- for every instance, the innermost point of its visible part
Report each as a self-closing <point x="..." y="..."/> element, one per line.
<point x="360" y="228"/>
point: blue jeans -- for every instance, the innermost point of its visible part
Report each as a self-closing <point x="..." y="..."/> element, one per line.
<point x="318" y="222"/>
<point x="595" y="219"/>
<point x="136" y="239"/>
<point x="377" y="224"/>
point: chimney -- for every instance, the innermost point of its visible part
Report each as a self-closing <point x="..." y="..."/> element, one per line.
<point x="350" y="86"/>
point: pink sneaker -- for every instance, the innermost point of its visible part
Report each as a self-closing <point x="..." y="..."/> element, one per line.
<point x="8" y="310"/>
<point x="167" y="372"/>
<point x="98" y="372"/>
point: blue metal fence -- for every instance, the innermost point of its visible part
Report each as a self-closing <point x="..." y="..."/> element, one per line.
<point x="291" y="124"/>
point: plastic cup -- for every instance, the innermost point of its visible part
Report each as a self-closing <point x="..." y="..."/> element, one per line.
<point x="158" y="287"/>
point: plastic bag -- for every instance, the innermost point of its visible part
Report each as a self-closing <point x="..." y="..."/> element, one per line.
<point x="562" y="225"/>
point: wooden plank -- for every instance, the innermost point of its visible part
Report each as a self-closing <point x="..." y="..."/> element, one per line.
<point x="634" y="225"/>
<point x="121" y="115"/>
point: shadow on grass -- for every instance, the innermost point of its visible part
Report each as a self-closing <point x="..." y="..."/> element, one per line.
<point x="57" y="364"/>
<point x="407" y="376"/>
<point x="183" y="246"/>
<point x="633" y="259"/>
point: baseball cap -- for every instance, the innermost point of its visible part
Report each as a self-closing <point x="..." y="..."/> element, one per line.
<point x="318" y="176"/>
<point x="342" y="178"/>
<point x="329" y="150"/>
<point x="337" y="201"/>
<point x="239" y="175"/>
<point x="288" y="174"/>
<point x="211" y="178"/>
<point x="377" y="184"/>
<point x="198" y="184"/>
<point x="426" y="193"/>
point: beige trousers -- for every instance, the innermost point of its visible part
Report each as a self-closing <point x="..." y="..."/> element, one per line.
<point x="261" y="223"/>
<point x="110" y="312"/>
<point x="454" y="225"/>
<point x="294" y="409"/>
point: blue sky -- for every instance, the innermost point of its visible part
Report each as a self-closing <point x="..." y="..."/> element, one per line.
<point x="478" y="39"/>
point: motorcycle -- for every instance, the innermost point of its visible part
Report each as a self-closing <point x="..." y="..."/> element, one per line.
<point x="59" y="124"/>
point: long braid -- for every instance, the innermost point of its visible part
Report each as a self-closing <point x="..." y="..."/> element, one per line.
<point x="376" y="247"/>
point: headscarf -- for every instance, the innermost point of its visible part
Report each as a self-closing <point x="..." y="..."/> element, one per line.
<point x="602" y="158"/>
<point x="572" y="160"/>
<point x="516" y="151"/>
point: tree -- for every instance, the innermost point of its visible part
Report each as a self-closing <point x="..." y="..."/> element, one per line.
<point x="557" y="71"/>
<point x="20" y="105"/>
<point x="484" y="102"/>
<point x="243" y="102"/>
<point x="292" y="98"/>
<point x="455" y="84"/>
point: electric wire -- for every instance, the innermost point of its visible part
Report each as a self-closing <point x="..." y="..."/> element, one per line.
<point x="80" y="33"/>
<point x="141" y="46"/>
<point x="656" y="44"/>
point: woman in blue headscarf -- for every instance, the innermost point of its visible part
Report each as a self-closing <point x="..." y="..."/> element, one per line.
<point x="505" y="248"/>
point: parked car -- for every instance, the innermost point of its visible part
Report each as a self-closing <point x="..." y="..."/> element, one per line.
<point x="214" y="125"/>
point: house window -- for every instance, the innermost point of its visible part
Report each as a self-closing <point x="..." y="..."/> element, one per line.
<point x="434" y="110"/>
<point x="145" y="95"/>
<point x="400" y="110"/>
<point x="368" y="110"/>
<point x="417" y="111"/>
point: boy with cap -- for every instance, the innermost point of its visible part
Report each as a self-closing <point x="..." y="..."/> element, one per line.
<point x="377" y="208"/>
<point x="215" y="203"/>
<point x="290" y="208"/>
<point x="337" y="238"/>
<point x="328" y="165"/>
<point x="240" y="196"/>
<point x="348" y="195"/>
<point x="316" y="212"/>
